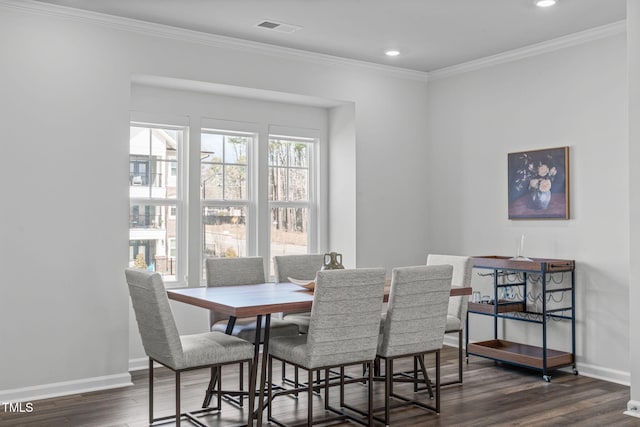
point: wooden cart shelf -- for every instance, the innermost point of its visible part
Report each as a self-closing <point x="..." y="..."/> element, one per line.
<point x="520" y="354"/>
<point x="541" y="358"/>
<point x="503" y="307"/>
<point x="546" y="265"/>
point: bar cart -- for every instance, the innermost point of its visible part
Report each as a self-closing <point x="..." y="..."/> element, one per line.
<point x="515" y="308"/>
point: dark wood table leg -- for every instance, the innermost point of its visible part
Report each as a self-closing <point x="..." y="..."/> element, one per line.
<point x="214" y="372"/>
<point x="263" y="371"/>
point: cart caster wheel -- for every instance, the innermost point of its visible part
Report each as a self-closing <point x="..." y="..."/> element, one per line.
<point x="547" y="378"/>
<point x="575" y="371"/>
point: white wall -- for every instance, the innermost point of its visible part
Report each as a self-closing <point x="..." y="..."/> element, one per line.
<point x="574" y="97"/>
<point x="66" y="85"/>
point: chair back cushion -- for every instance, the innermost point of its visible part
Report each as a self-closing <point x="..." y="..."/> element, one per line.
<point x="303" y="267"/>
<point x="156" y="324"/>
<point x="233" y="272"/>
<point x="417" y="311"/>
<point x="345" y="317"/>
<point x="462" y="272"/>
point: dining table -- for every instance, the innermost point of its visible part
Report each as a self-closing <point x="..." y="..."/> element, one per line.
<point x="260" y="300"/>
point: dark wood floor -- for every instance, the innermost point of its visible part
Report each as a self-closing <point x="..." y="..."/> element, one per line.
<point x="492" y="395"/>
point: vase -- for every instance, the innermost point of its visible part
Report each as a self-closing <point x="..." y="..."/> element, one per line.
<point x="332" y="261"/>
<point x="540" y="199"/>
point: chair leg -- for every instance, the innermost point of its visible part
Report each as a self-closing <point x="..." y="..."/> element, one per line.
<point x="310" y="397"/>
<point x="437" y="381"/>
<point x="326" y="388"/>
<point x="388" y="384"/>
<point x="219" y="393"/>
<point x="370" y="395"/>
<point x="270" y="386"/>
<point x="177" y="398"/>
<point x="241" y="384"/>
<point x="460" y="356"/>
<point x="252" y="393"/>
<point x="150" y="391"/>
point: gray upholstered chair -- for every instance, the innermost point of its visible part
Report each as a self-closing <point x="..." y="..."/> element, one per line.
<point x="457" y="311"/>
<point x="414" y="324"/>
<point x="238" y="272"/>
<point x="164" y="345"/>
<point x="343" y="331"/>
<point x="303" y="267"/>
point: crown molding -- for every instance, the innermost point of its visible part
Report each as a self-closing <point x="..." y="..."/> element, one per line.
<point x="213" y="40"/>
<point x="532" y="50"/>
<point x="207" y="39"/>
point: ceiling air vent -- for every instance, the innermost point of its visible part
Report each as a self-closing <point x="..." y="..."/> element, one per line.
<point x="278" y="26"/>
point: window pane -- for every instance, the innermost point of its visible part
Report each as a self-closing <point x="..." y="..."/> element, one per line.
<point x="154" y="174"/>
<point x="235" y="182"/>
<point x="289" y="231"/>
<point x="211" y="147"/>
<point x="277" y="152"/>
<point x="223" y="170"/>
<point x="289" y="170"/>
<point x="151" y="231"/>
<point x="278" y="184"/>
<point x="152" y="158"/>
<point x="298" y="154"/>
<point x="211" y="181"/>
<point x="298" y="184"/>
<point x="235" y="149"/>
<point x="224" y="232"/>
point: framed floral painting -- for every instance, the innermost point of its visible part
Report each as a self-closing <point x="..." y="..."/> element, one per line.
<point x="539" y="184"/>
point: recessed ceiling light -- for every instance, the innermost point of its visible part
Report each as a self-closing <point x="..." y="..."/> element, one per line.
<point x="392" y="52"/>
<point x="545" y="3"/>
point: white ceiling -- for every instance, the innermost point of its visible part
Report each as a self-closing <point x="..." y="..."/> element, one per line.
<point x="431" y="34"/>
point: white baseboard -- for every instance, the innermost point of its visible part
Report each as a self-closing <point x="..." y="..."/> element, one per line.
<point x="452" y="340"/>
<point x="141" y="363"/>
<point x="138" y="364"/>
<point x="605" y="374"/>
<point x="633" y="409"/>
<point x="84" y="385"/>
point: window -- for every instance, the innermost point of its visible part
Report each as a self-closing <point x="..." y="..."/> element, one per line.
<point x="290" y="202"/>
<point x="153" y="197"/>
<point x="202" y="187"/>
<point x="225" y="192"/>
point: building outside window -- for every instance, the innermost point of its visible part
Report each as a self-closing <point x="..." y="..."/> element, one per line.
<point x="153" y="196"/>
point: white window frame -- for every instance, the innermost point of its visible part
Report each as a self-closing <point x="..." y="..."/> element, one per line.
<point x="247" y="130"/>
<point x="159" y="121"/>
<point x="311" y="137"/>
